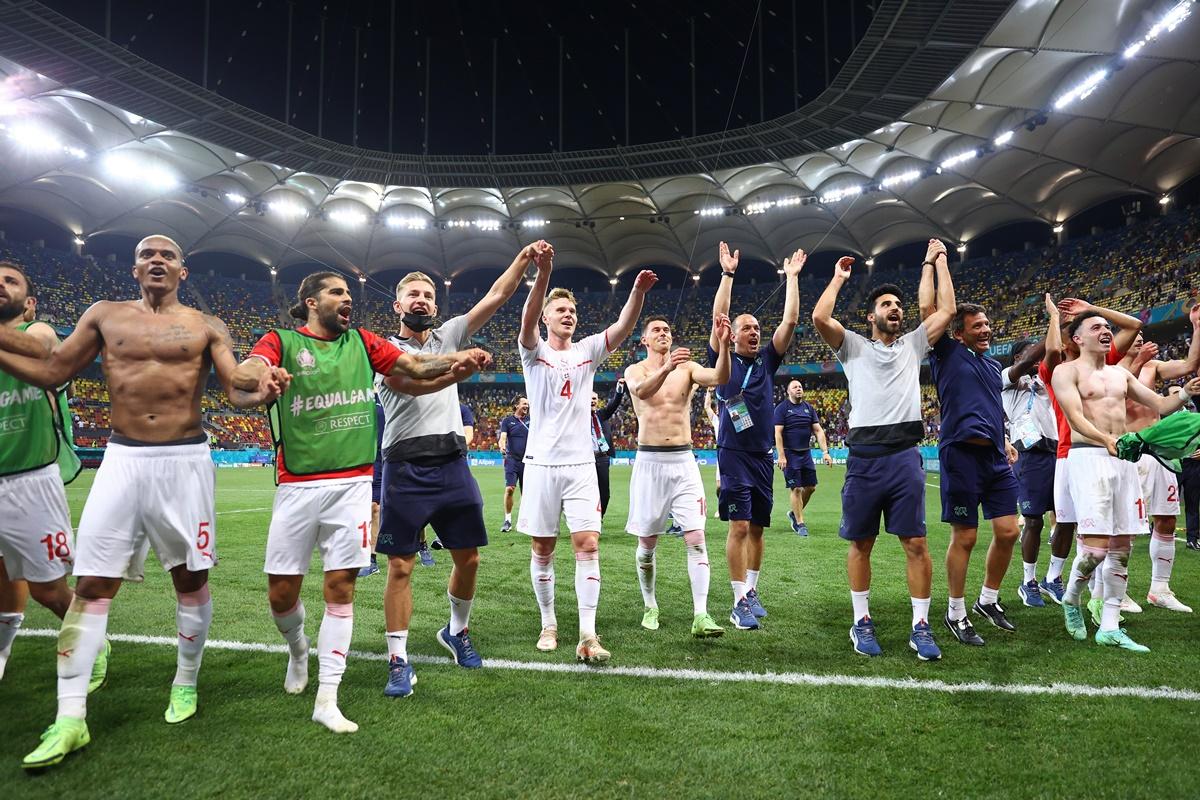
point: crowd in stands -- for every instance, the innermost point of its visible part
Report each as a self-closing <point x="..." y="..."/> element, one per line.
<point x="1131" y="269"/>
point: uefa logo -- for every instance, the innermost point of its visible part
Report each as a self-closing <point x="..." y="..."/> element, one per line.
<point x="306" y="361"/>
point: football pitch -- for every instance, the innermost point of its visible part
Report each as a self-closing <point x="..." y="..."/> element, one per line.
<point x="788" y="710"/>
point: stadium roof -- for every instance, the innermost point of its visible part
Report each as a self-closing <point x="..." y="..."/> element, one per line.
<point x="949" y="120"/>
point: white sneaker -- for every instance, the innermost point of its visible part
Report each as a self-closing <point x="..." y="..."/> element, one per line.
<point x="328" y="714"/>
<point x="548" y="640"/>
<point x="589" y="651"/>
<point x="1166" y="599"/>
<point x="1130" y="607"/>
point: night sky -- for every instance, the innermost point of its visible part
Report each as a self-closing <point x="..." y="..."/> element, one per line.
<point x="247" y="63"/>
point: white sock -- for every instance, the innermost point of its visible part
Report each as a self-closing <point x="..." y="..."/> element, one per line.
<point x="1028" y="571"/>
<point x="541" y="572"/>
<point x="1096" y="581"/>
<point x="1056" y="568"/>
<point x="739" y="591"/>
<point x="1116" y="581"/>
<point x="920" y="609"/>
<point x="699" y="573"/>
<point x="1084" y="569"/>
<point x="460" y="614"/>
<point x="193" y="616"/>
<point x="957" y="609"/>
<point x="988" y="596"/>
<point x="333" y="643"/>
<point x="587" y="591"/>
<point x="326" y="711"/>
<point x="10" y="623"/>
<point x="752" y="579"/>
<point x="860" y="602"/>
<point x="508" y="516"/>
<point x="646" y="564"/>
<point x="291" y="625"/>
<point x="397" y="644"/>
<point x="79" y="642"/>
<point x="1162" y="559"/>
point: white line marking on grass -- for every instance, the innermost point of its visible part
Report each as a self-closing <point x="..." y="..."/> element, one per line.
<point x="784" y="678"/>
<point x="244" y="510"/>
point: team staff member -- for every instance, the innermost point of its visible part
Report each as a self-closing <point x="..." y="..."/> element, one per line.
<point x="514" y="433"/>
<point x="796" y="422"/>
<point x="602" y="441"/>
<point x="746" y="432"/>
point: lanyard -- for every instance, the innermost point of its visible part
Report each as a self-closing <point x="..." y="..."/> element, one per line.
<point x="745" y="380"/>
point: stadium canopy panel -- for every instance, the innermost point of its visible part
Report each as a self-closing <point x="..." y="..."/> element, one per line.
<point x="949" y="120"/>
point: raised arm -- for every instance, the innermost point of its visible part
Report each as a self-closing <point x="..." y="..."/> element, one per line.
<point x="1054" y="341"/>
<point x="1127" y="326"/>
<point x="614" y="400"/>
<point x="926" y="299"/>
<point x="822" y="316"/>
<point x="729" y="265"/>
<point x="505" y="286"/>
<point x="937" y="322"/>
<point x="26" y="358"/>
<point x="270" y="383"/>
<point x="1066" y="389"/>
<point x="782" y="338"/>
<point x="1027" y="362"/>
<point x="1178" y="367"/>
<point x="718" y="373"/>
<point x="619" y="331"/>
<point x="531" y="312"/>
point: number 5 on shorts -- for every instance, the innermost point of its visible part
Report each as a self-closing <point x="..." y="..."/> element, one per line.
<point x="203" y="536"/>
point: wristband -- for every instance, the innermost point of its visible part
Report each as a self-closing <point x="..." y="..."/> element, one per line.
<point x="727" y="274"/>
<point x="930" y="263"/>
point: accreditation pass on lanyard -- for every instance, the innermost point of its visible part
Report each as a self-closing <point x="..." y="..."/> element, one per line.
<point x="739" y="414"/>
<point x="1026" y="431"/>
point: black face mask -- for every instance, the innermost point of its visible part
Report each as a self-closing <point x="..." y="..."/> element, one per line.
<point x="420" y="322"/>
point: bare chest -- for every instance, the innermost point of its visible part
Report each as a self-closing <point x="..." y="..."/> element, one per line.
<point x="134" y="336"/>
<point x="1106" y="384"/>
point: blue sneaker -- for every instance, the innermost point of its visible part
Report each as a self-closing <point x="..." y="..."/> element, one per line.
<point x="460" y="647"/>
<point x="922" y="642"/>
<point x="792" y="521"/>
<point x="1054" y="589"/>
<point x="369" y="569"/>
<point x="742" y="617"/>
<point x="426" y="556"/>
<point x="862" y="635"/>
<point x="802" y="529"/>
<point x="1031" y="595"/>
<point x="401" y="678"/>
<point x="756" y="606"/>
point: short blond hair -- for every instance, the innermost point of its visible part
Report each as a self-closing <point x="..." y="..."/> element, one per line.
<point x="561" y="294"/>
<point x="413" y="277"/>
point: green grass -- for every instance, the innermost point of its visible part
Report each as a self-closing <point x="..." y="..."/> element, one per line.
<point x="503" y="733"/>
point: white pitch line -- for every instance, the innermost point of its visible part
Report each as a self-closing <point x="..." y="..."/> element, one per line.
<point x="244" y="510"/>
<point x="783" y="678"/>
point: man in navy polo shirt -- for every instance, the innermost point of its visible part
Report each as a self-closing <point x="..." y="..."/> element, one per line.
<point x="884" y="473"/>
<point x="796" y="422"/>
<point x="514" y="433"/>
<point x="976" y="464"/>
<point x="746" y="433"/>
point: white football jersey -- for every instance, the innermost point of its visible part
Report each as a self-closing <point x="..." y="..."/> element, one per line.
<point x="559" y="385"/>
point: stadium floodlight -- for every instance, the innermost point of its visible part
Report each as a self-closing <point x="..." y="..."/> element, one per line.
<point x="274" y="272"/>
<point x="794" y="201"/>
<point x="841" y="194"/>
<point x="537" y="223"/>
<point x="127" y="167"/>
<point x="488" y="224"/>
<point x="75" y="152"/>
<point x="1169" y="22"/>
<point x="904" y="177"/>
<point x="79" y="240"/>
<point x="1164" y="200"/>
<point x="362" y="278"/>
<point x="696" y="278"/>
<point x="954" y="161"/>
<point x="36" y="138"/>
<point x="962" y="248"/>
<point x="406" y="223"/>
<point x="759" y="207"/>
<point x="870" y="262"/>
<point x="711" y="212"/>
<point x="1003" y="139"/>
<point x="779" y="271"/>
<point x="612" y="281"/>
<point x="287" y="208"/>
<point x="447" y="282"/>
<point x="1082" y="90"/>
<point x="349" y="217"/>
<point x="529" y="284"/>
<point x="1059" y="228"/>
<point x="235" y="199"/>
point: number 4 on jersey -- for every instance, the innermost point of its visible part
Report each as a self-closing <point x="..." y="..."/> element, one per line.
<point x="566" y="390"/>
